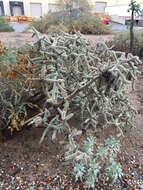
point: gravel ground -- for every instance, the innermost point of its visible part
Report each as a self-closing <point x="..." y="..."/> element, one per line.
<point x="132" y="180"/>
<point x="19" y="27"/>
<point x="115" y="27"/>
<point x="18" y="39"/>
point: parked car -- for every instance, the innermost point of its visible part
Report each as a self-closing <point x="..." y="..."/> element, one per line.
<point x="106" y="21"/>
<point x="103" y="16"/>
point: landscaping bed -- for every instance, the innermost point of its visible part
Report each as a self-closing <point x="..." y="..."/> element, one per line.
<point x="26" y="164"/>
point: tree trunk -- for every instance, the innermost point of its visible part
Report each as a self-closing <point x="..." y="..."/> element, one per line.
<point x="132" y="33"/>
<point x="70" y="15"/>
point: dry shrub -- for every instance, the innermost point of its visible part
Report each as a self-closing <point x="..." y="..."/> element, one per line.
<point x="2" y="48"/>
<point x="121" y="41"/>
<point x="86" y="24"/>
<point x="57" y="29"/>
<point x="42" y="25"/>
<point x="14" y="85"/>
<point x="90" y="25"/>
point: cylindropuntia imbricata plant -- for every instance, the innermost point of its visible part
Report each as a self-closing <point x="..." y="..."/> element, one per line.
<point x="90" y="80"/>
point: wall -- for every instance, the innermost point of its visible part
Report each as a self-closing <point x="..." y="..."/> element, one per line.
<point x="7" y="8"/>
<point x="120" y="9"/>
<point x="99" y="7"/>
<point x="120" y="2"/>
<point x="43" y="2"/>
<point x="114" y="7"/>
<point x="27" y="5"/>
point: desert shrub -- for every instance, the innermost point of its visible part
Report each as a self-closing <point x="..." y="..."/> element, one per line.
<point x="38" y="24"/>
<point x="4" y="26"/>
<point x="13" y="112"/>
<point x="2" y="48"/>
<point x="14" y="86"/>
<point x="85" y="24"/>
<point x="121" y="41"/>
<point x="57" y="29"/>
<point x="89" y="25"/>
<point x="87" y="163"/>
<point x="49" y="20"/>
<point x="79" y="78"/>
<point x="11" y="69"/>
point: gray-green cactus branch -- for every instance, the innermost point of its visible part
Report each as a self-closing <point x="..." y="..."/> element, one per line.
<point x="86" y="79"/>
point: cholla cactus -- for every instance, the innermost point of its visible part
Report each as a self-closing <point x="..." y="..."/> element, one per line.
<point x="93" y="79"/>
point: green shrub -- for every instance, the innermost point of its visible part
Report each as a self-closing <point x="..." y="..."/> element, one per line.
<point x="4" y="26"/>
<point x="121" y="41"/>
<point x="84" y="24"/>
<point x="89" y="25"/>
<point x="57" y="29"/>
<point x="38" y="25"/>
<point x="13" y="110"/>
<point x="42" y="25"/>
<point x="13" y="85"/>
<point x="87" y="163"/>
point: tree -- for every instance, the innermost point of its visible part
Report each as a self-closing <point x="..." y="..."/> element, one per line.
<point x="69" y="5"/>
<point x="135" y="8"/>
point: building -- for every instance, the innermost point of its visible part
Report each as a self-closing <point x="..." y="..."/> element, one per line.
<point x="120" y="7"/>
<point x="118" y="10"/>
<point x="99" y="6"/>
<point x="120" y="2"/>
<point x="36" y="8"/>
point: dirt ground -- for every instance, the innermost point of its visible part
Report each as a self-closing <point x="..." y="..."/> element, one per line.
<point x="26" y="164"/>
<point x="17" y="39"/>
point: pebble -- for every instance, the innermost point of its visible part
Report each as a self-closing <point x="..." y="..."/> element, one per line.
<point x="132" y="179"/>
